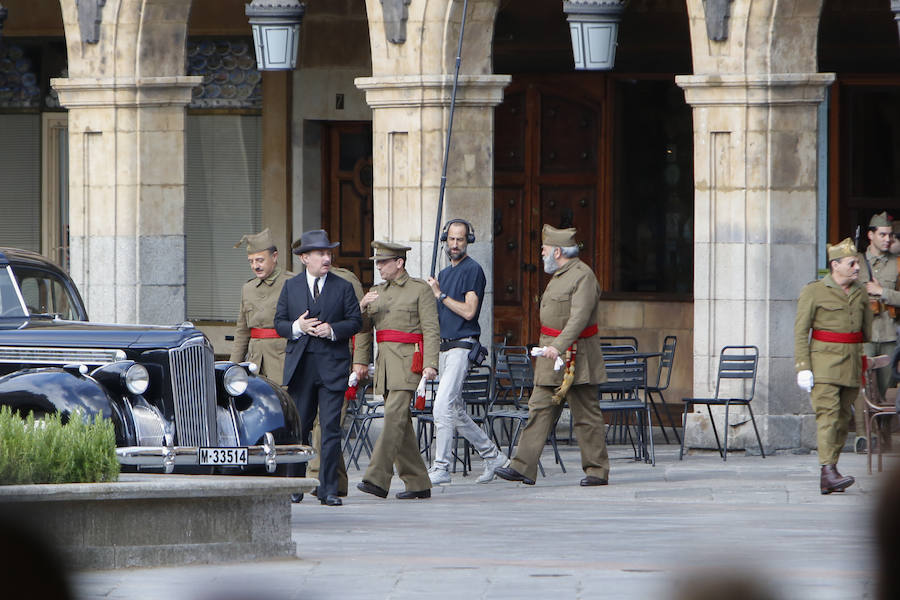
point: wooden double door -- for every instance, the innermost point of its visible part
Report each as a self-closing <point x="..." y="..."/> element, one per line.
<point x="549" y="167"/>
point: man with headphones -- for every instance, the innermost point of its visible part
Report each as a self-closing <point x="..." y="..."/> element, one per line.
<point x="459" y="290"/>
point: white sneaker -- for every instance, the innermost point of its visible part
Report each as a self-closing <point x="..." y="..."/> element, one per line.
<point x="438" y="476"/>
<point x="490" y="466"/>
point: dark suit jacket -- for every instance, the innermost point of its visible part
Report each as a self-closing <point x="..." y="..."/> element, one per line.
<point x="337" y="306"/>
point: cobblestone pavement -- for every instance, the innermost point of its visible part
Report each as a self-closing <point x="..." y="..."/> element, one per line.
<point x="631" y="539"/>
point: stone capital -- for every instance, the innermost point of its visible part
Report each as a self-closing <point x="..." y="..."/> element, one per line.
<point x="432" y="90"/>
<point x="754" y="90"/>
<point x="125" y="91"/>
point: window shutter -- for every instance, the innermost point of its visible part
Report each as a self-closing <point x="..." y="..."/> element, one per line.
<point x="223" y="201"/>
<point x="20" y="174"/>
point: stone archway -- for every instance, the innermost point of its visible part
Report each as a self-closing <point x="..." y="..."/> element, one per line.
<point x="755" y="97"/>
<point x="126" y="92"/>
<point x="409" y="93"/>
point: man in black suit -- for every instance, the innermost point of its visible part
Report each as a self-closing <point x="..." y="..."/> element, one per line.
<point x="318" y="314"/>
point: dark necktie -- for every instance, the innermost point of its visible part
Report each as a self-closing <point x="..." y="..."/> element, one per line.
<point x="316" y="289"/>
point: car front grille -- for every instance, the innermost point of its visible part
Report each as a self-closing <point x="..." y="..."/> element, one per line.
<point x="194" y="391"/>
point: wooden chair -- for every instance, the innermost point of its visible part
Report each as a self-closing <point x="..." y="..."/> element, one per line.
<point x="875" y="404"/>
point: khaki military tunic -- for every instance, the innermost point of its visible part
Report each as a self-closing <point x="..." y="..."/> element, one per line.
<point x="884" y="329"/>
<point x="259" y="297"/>
<point x="836" y="366"/>
<point x="404" y="304"/>
<point x="570" y="304"/>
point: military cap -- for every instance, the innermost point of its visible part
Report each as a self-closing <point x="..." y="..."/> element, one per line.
<point x="843" y="249"/>
<point x="880" y="220"/>
<point x="257" y="242"/>
<point x="562" y="238"/>
<point x="315" y="239"/>
<point x="385" y="250"/>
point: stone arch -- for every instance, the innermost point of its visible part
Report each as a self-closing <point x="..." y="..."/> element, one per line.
<point x="432" y="33"/>
<point x="764" y="36"/>
<point x="137" y="38"/>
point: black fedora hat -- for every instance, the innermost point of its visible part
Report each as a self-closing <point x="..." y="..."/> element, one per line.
<point x="316" y="239"/>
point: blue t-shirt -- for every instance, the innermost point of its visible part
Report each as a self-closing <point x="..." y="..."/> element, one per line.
<point x="467" y="276"/>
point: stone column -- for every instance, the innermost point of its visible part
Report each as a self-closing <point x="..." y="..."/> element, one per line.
<point x="126" y="195"/>
<point x="413" y="62"/>
<point x="755" y="170"/>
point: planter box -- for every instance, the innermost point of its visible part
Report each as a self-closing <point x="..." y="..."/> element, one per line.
<point x="151" y="520"/>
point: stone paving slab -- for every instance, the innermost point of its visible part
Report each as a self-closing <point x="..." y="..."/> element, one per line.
<point x="630" y="539"/>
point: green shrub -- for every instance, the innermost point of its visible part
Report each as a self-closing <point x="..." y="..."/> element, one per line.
<point x="46" y="451"/>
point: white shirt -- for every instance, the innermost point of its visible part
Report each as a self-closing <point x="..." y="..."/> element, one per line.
<point x="310" y="281"/>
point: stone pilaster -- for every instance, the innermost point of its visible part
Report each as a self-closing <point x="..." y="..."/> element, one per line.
<point x="126" y="194"/>
<point x="409" y="121"/>
<point x="755" y="170"/>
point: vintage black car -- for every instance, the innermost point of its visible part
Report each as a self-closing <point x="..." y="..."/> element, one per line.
<point x="172" y="405"/>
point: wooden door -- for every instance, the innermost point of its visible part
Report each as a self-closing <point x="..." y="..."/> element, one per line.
<point x="347" y="195"/>
<point x="547" y="169"/>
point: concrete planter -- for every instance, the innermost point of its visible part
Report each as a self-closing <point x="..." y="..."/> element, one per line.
<point x="151" y="520"/>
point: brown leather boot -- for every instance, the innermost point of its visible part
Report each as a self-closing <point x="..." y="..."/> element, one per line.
<point x="832" y="481"/>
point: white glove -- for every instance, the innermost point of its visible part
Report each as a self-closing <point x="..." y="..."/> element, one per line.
<point x="420" y="389"/>
<point x="353" y="380"/>
<point x="557" y="365"/>
<point x="805" y="380"/>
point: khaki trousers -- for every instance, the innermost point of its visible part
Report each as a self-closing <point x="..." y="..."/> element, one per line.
<point x="312" y="467"/>
<point x="831" y="404"/>
<point x="397" y="446"/>
<point x="590" y="430"/>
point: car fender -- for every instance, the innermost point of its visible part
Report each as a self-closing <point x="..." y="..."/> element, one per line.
<point x="266" y="407"/>
<point x="58" y="390"/>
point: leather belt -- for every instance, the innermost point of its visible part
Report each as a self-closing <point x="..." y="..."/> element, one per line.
<point x="451" y="344"/>
<point x="262" y="333"/>
<point x="854" y="337"/>
<point x="590" y="330"/>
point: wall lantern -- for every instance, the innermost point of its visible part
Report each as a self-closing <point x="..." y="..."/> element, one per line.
<point x="276" y="32"/>
<point x="594" y="25"/>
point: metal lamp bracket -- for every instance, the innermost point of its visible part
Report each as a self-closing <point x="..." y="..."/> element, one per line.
<point x="396" y="14"/>
<point x="89" y="19"/>
<point x="717" y="13"/>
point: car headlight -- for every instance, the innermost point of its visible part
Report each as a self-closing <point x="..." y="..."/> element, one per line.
<point x="137" y="379"/>
<point x="235" y="380"/>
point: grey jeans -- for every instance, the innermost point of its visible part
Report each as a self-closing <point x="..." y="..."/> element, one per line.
<point x="450" y="411"/>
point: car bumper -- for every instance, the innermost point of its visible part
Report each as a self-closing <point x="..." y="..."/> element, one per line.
<point x="168" y="457"/>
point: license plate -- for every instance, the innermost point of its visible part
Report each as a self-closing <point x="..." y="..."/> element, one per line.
<point x="227" y="457"/>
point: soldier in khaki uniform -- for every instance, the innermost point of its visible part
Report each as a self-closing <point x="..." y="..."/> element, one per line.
<point x="404" y="314"/>
<point x="828" y="359"/>
<point x="884" y="300"/>
<point x="569" y="312"/>
<point x="361" y="349"/>
<point x="255" y="338"/>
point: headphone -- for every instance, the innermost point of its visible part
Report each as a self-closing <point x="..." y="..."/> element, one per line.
<point x="470" y="231"/>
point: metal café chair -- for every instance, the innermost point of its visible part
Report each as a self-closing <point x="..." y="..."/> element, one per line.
<point x="663" y="376"/>
<point x="621" y="395"/>
<point x="619" y="340"/>
<point x="360" y="413"/>
<point x="737" y="363"/>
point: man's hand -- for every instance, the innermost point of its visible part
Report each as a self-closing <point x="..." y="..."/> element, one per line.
<point x="361" y="370"/>
<point x="551" y="352"/>
<point x="874" y="288"/>
<point x="323" y="330"/>
<point x="307" y="326"/>
<point x="805" y="380"/>
<point x="368" y="299"/>
<point x="435" y="287"/>
<point x="429" y="373"/>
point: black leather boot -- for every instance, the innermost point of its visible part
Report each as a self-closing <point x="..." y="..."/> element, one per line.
<point x="832" y="481"/>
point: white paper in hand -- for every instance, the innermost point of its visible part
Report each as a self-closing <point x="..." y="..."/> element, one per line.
<point x="557" y="365"/>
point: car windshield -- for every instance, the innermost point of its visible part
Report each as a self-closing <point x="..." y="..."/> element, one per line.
<point x="45" y="294"/>
<point x="11" y="303"/>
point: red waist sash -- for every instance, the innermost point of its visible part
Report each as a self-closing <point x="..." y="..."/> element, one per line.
<point x="589" y="331"/>
<point x="403" y="337"/>
<point x="854" y="337"/>
<point x="261" y="333"/>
